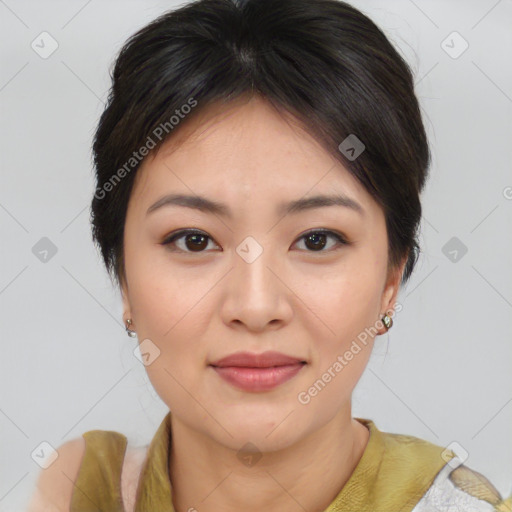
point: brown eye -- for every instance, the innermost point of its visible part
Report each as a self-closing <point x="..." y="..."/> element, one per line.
<point x="197" y="241"/>
<point x="194" y="241"/>
<point x="316" y="240"/>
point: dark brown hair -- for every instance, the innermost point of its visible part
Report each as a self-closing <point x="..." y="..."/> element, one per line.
<point x="323" y="61"/>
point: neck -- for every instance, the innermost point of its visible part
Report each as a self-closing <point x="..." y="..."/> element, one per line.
<point x="307" y="475"/>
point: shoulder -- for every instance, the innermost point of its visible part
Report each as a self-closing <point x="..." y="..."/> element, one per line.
<point x="407" y="447"/>
<point x="442" y="481"/>
<point x="459" y="486"/>
<point x="132" y="468"/>
<point x="54" y="486"/>
<point x="409" y="443"/>
<point x="97" y="459"/>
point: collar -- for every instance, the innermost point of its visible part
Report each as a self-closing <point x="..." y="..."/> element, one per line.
<point x="392" y="475"/>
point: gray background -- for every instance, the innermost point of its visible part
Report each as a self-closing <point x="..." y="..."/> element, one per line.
<point x="443" y="373"/>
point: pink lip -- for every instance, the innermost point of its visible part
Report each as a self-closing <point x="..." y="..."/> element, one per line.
<point x="257" y="372"/>
<point x="258" y="379"/>
<point x="250" y="360"/>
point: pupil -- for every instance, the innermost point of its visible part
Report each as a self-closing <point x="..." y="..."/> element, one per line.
<point x="194" y="244"/>
<point x="315" y="236"/>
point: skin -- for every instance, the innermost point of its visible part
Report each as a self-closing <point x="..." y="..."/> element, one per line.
<point x="197" y="307"/>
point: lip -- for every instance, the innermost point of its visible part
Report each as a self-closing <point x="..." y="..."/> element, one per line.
<point x="257" y="372"/>
<point x="251" y="360"/>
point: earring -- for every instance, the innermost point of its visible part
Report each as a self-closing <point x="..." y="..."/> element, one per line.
<point x="387" y="321"/>
<point x="130" y="333"/>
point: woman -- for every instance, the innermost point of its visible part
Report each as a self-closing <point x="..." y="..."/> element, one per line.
<point x="259" y="169"/>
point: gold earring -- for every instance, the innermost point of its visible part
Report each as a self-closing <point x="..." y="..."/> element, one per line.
<point x="130" y="333"/>
<point x="387" y="321"/>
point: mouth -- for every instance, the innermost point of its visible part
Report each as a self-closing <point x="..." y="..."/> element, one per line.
<point x="257" y="372"/>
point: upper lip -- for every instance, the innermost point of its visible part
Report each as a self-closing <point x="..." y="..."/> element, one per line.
<point x="251" y="360"/>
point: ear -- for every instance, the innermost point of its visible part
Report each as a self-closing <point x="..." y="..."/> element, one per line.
<point x="126" y="301"/>
<point x="391" y="289"/>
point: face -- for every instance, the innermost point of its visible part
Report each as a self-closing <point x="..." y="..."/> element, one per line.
<point x="256" y="278"/>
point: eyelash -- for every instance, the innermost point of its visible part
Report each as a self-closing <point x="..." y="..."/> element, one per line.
<point x="184" y="232"/>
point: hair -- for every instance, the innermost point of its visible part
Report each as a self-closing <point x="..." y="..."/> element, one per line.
<point x="322" y="61"/>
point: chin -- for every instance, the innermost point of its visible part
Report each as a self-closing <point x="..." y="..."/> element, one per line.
<point x="269" y="432"/>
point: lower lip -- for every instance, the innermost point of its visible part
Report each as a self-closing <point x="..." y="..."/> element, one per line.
<point x="258" y="379"/>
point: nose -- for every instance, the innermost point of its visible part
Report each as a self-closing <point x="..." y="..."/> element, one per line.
<point x="257" y="294"/>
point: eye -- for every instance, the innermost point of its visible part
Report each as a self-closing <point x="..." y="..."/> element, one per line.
<point x="196" y="241"/>
<point x="316" y="239"/>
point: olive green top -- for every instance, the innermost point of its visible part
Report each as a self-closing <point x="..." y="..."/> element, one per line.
<point x="392" y="475"/>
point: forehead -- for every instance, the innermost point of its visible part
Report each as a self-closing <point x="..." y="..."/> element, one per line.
<point x="242" y="151"/>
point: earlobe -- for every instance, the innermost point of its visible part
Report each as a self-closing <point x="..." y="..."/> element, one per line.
<point x="391" y="292"/>
<point x="126" y="302"/>
<point x="127" y="310"/>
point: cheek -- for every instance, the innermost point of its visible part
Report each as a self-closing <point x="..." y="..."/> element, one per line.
<point x="159" y="295"/>
<point x="347" y="309"/>
<point x="155" y="306"/>
<point x="168" y="313"/>
<point x="344" y="299"/>
<point x="170" y="310"/>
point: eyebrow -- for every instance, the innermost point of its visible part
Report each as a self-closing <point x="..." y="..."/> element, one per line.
<point x="299" y="205"/>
